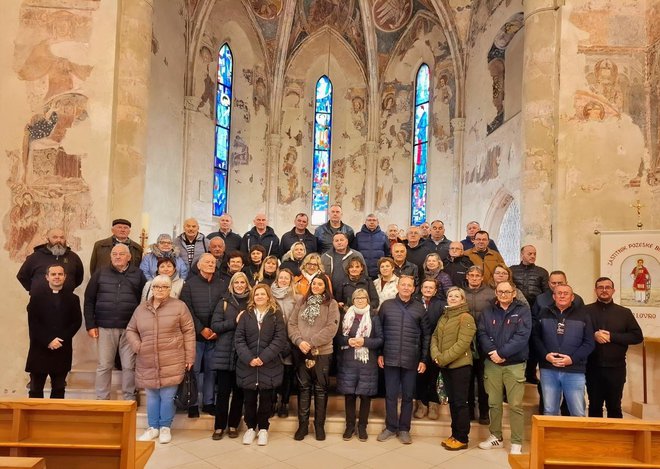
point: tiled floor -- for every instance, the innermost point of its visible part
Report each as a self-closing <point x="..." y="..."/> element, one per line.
<point x="194" y="449"/>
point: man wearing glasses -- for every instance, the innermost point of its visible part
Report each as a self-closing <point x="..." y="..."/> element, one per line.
<point x="504" y="328"/>
<point x="615" y="329"/>
<point x="563" y="338"/>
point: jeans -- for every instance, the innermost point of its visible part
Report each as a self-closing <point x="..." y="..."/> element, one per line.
<point x="108" y="342"/>
<point x="605" y="386"/>
<point x="160" y="406"/>
<point x="57" y="384"/>
<point x="398" y="380"/>
<point x="554" y="382"/>
<point x="457" y="382"/>
<point x="204" y="358"/>
<point x="511" y="378"/>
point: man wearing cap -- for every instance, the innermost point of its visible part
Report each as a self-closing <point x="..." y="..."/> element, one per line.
<point x="121" y="228"/>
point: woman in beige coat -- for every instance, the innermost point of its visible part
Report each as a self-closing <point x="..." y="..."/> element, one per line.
<point x="162" y="334"/>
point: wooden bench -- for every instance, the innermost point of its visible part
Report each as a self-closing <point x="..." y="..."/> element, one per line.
<point x="72" y="433"/>
<point x="22" y="463"/>
<point x="581" y="442"/>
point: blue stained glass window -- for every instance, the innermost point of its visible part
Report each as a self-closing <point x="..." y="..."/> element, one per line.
<point x="420" y="145"/>
<point x="222" y="129"/>
<point x="322" y="141"/>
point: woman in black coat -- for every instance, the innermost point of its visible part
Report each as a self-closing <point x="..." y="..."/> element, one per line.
<point x="223" y="323"/>
<point x="359" y="338"/>
<point x="54" y="317"/>
<point x="260" y="338"/>
<point x="356" y="277"/>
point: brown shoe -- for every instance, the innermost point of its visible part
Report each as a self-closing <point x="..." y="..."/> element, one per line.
<point x="446" y="440"/>
<point x="421" y="411"/>
<point x="434" y="411"/>
<point x="232" y="432"/>
<point x="455" y="445"/>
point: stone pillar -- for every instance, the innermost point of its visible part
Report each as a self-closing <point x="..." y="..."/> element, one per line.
<point x="371" y="173"/>
<point x="129" y="146"/>
<point x="458" y="131"/>
<point x="540" y="92"/>
<point x="273" y="147"/>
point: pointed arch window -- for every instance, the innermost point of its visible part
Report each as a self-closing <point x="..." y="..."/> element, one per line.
<point x="222" y="129"/>
<point x="420" y="146"/>
<point x="322" y="140"/>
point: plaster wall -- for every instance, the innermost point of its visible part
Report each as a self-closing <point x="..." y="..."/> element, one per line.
<point x="164" y="157"/>
<point x="491" y="163"/>
<point x="55" y="60"/>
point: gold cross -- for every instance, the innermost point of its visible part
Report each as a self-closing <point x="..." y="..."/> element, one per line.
<point x="638" y="206"/>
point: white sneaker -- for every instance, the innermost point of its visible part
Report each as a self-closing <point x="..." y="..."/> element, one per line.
<point x="516" y="449"/>
<point x="248" y="437"/>
<point x="262" y="438"/>
<point x="149" y="434"/>
<point x="165" y="435"/>
<point x="491" y="442"/>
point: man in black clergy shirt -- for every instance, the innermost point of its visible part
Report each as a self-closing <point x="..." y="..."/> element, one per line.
<point x="615" y="328"/>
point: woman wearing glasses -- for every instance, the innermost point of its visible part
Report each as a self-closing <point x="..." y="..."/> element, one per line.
<point x="162" y="334"/>
<point x="311" y="267"/>
<point x="359" y="338"/>
<point x="451" y="351"/>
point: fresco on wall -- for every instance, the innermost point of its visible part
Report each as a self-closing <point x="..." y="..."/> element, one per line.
<point x="653" y="177"/>
<point x="390" y="16"/>
<point x="46" y="184"/>
<point x="488" y="169"/>
<point x="208" y="90"/>
<point x="496" y="67"/>
<point x="343" y="16"/>
<point x="481" y="13"/>
<point x="266" y="9"/>
<point x="358" y="99"/>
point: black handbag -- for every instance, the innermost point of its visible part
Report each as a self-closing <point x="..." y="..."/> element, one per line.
<point x="186" y="394"/>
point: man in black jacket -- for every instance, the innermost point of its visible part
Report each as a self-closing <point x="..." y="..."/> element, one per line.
<point x="32" y="273"/>
<point x="299" y="232"/>
<point x="406" y="339"/>
<point x="457" y="265"/>
<point x="111" y="296"/>
<point x="201" y="294"/>
<point x="261" y="234"/>
<point x="232" y="240"/>
<point x="615" y="329"/>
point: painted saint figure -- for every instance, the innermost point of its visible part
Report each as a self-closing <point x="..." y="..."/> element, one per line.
<point x="641" y="282"/>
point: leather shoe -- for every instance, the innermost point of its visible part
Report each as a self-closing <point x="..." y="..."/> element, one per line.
<point x="232" y="433"/>
<point x="193" y="412"/>
<point x="218" y="434"/>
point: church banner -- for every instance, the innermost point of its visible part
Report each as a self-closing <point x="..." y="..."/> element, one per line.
<point x="632" y="260"/>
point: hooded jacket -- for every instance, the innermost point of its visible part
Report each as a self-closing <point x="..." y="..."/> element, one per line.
<point x="268" y="240"/>
<point x="201" y="247"/>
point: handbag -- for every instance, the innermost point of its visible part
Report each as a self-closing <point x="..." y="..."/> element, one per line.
<point x="186" y="394"/>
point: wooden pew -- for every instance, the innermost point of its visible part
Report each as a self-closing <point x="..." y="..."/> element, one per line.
<point x="22" y="463"/>
<point x="583" y="442"/>
<point x="72" y="433"/>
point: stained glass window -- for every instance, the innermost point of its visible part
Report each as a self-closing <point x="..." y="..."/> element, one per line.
<point x="222" y="129"/>
<point x="420" y="146"/>
<point x="322" y="140"/>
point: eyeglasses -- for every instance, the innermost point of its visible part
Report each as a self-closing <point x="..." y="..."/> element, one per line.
<point x="160" y="287"/>
<point x="504" y="292"/>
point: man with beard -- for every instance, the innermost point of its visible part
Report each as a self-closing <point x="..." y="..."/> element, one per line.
<point x="32" y="273"/>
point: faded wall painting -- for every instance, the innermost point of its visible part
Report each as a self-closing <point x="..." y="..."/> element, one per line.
<point x="45" y="178"/>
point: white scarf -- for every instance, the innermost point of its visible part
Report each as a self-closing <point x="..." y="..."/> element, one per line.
<point x="363" y="330"/>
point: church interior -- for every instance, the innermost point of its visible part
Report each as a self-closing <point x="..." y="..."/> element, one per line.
<point x="542" y="122"/>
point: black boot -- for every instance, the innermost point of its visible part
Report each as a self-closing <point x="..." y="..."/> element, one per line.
<point x="349" y="404"/>
<point x="320" y="405"/>
<point x="283" y="410"/>
<point x="304" y="401"/>
<point x="193" y="412"/>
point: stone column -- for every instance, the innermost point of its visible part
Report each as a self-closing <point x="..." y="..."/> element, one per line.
<point x="273" y="147"/>
<point x="540" y="92"/>
<point x="370" y="177"/>
<point x="129" y="145"/>
<point x="458" y="131"/>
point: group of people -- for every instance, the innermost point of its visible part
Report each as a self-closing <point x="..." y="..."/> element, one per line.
<point x="258" y="316"/>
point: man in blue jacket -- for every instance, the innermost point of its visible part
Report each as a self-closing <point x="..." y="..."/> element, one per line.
<point x="563" y="338"/>
<point x="406" y="339"/>
<point x="504" y="328"/>
<point x="372" y="244"/>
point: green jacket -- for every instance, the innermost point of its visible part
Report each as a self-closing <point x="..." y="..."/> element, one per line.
<point x="452" y="339"/>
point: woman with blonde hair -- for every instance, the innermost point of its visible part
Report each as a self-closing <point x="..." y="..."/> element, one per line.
<point x="260" y="337"/>
<point x="268" y="270"/>
<point x="293" y="258"/>
<point x="162" y="334"/>
<point x="311" y="267"/>
<point x="433" y="269"/>
<point x="223" y="323"/>
<point x="451" y="350"/>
